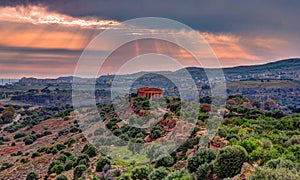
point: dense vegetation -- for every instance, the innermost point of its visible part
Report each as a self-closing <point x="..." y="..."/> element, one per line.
<point x="267" y="140"/>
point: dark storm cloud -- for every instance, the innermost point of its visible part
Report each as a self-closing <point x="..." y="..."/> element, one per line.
<point x="234" y="16"/>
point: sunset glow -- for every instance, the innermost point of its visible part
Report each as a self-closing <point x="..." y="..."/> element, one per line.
<point x="34" y="37"/>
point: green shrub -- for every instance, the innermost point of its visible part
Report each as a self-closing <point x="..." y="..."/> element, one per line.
<point x="116" y="173"/>
<point x="32" y="176"/>
<point x="269" y="154"/>
<point x="90" y="150"/>
<point x="54" y="150"/>
<point x="280" y="163"/>
<point x="68" y="165"/>
<point x="229" y="161"/>
<point x="35" y="154"/>
<point x="82" y="159"/>
<point x="62" y="158"/>
<point x="5" y="166"/>
<point x="101" y="162"/>
<point x="166" y="161"/>
<point x="204" y="155"/>
<point x="24" y="160"/>
<point x="78" y="171"/>
<point x="52" y="164"/>
<point x="125" y="177"/>
<point x="28" y="140"/>
<point x="19" y="135"/>
<point x="155" y="132"/>
<point x="70" y="142"/>
<point x="141" y="172"/>
<point x="61" y="177"/>
<point x="57" y="168"/>
<point x="203" y="171"/>
<point x="278" y="174"/>
<point x="250" y="144"/>
<point x="158" y="174"/>
<point x="178" y="174"/>
<point x="60" y="147"/>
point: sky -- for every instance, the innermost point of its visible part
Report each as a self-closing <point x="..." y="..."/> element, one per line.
<point x="45" y="38"/>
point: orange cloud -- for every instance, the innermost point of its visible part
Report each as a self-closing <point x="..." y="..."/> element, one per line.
<point x="40" y="15"/>
<point x="35" y="27"/>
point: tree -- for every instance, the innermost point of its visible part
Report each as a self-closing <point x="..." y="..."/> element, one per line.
<point x="280" y="163"/>
<point x="229" y="161"/>
<point x="28" y="140"/>
<point x="101" y="162"/>
<point x="250" y="144"/>
<point x="68" y="165"/>
<point x="32" y="175"/>
<point x="19" y="135"/>
<point x="166" y="161"/>
<point x="204" y="155"/>
<point x="178" y="174"/>
<point x="61" y="177"/>
<point x="203" y="171"/>
<point x="278" y="174"/>
<point x="52" y="164"/>
<point x="58" y="168"/>
<point x="155" y="132"/>
<point x="62" y="158"/>
<point x="141" y="172"/>
<point x="158" y="174"/>
<point x="78" y="171"/>
<point x="7" y="115"/>
<point x="90" y="150"/>
<point x="82" y="159"/>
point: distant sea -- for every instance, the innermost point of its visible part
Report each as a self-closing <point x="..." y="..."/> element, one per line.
<point x="8" y="81"/>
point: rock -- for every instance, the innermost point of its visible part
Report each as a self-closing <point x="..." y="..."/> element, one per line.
<point x="147" y="139"/>
<point x="246" y="171"/>
<point x="52" y="176"/>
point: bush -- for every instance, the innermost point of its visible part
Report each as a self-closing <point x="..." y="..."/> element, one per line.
<point x="60" y="147"/>
<point x="52" y="164"/>
<point x="82" y="159"/>
<point x="5" y="166"/>
<point x="203" y="171"/>
<point x="158" y="174"/>
<point x="68" y="165"/>
<point x="78" y="171"/>
<point x="28" y="140"/>
<point x="61" y="177"/>
<point x="250" y="144"/>
<point x="166" y="161"/>
<point x="280" y="163"/>
<point x="155" y="132"/>
<point x="19" y="135"/>
<point x="101" y="162"/>
<point x="54" y="150"/>
<point x="178" y="174"/>
<point x="90" y="150"/>
<point x="269" y="154"/>
<point x="58" y="168"/>
<point x="141" y="172"/>
<point x="278" y="174"/>
<point x="70" y="142"/>
<point x="24" y="160"/>
<point x="32" y="176"/>
<point x="204" y="155"/>
<point x="35" y="154"/>
<point x="62" y="158"/>
<point x="116" y="173"/>
<point x="229" y="161"/>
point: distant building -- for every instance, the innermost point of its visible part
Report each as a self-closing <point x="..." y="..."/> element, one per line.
<point x="149" y="92"/>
